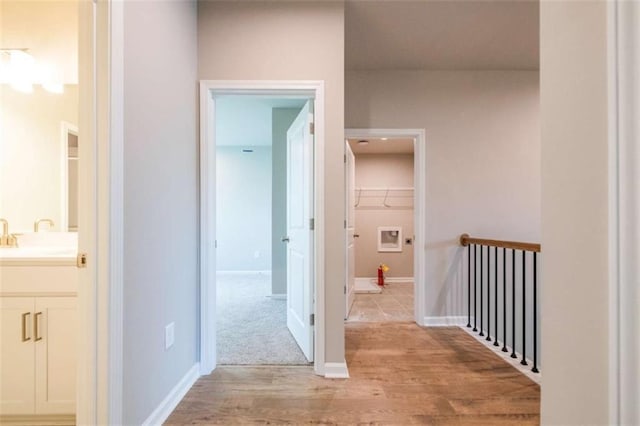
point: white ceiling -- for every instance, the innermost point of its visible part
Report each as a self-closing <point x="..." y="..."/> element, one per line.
<point x="380" y="146"/>
<point x="450" y="34"/>
<point x="246" y="120"/>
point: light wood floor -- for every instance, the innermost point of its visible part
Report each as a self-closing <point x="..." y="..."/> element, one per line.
<point x="400" y="374"/>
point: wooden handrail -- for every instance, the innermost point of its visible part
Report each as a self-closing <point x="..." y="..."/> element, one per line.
<point x="465" y="240"/>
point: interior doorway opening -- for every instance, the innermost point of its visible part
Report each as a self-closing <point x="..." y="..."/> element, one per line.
<point x="305" y="214"/>
<point x="380" y="227"/>
<point x="387" y="196"/>
<point x="252" y="186"/>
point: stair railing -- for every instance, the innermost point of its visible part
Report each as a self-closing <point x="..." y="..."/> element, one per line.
<point x="476" y="249"/>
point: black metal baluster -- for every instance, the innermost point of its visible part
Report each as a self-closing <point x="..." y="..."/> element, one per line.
<point x="524" y="309"/>
<point x="504" y="300"/>
<point x="513" y="304"/>
<point x="535" y="314"/>
<point x="469" y="286"/>
<point x="481" y="292"/>
<point x="488" y="294"/>
<point x="495" y="293"/>
<point x="475" y="287"/>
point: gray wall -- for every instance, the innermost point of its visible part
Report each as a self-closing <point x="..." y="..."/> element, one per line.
<point x="243" y="221"/>
<point x="478" y="123"/>
<point x="160" y="200"/>
<point x="383" y="170"/>
<point x="281" y="119"/>
<point x="575" y="202"/>
<point x="291" y="41"/>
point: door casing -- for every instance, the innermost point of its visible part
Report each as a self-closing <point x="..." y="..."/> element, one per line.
<point x="209" y="89"/>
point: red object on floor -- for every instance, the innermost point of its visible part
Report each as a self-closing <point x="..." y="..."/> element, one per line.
<point x="380" y="276"/>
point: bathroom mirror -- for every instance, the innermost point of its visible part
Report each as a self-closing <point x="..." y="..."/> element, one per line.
<point x="38" y="114"/>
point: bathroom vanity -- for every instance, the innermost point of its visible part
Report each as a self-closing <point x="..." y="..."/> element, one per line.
<point x="38" y="328"/>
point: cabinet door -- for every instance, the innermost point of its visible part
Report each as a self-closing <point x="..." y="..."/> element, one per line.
<point x="55" y="328"/>
<point x="17" y="375"/>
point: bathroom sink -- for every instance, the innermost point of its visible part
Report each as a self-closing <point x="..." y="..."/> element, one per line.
<point x="48" y="239"/>
<point x="38" y="252"/>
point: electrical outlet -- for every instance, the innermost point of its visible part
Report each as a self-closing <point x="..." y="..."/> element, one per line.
<point x="256" y="254"/>
<point x="169" y="335"/>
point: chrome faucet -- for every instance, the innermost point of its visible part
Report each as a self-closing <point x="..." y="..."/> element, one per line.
<point x="36" y="224"/>
<point x="7" y="240"/>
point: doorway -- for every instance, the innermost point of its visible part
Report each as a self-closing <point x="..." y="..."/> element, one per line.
<point x="387" y="197"/>
<point x="304" y="238"/>
<point x="255" y="319"/>
<point x="380" y="224"/>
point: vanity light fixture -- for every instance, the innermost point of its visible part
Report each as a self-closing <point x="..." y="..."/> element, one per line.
<point x="21" y="71"/>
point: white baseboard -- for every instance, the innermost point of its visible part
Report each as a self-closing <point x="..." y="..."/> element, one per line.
<point x="171" y="401"/>
<point x="281" y="296"/>
<point x="444" y="321"/>
<point x="388" y="279"/>
<point x="336" y="370"/>
<point x="515" y="362"/>
<point x="243" y="272"/>
<point x="398" y="279"/>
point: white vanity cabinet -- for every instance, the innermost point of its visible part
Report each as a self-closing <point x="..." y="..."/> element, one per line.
<point x="38" y="353"/>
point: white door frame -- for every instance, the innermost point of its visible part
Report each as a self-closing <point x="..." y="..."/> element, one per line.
<point x="66" y="128"/>
<point x="419" y="184"/>
<point x="624" y="206"/>
<point x="289" y="88"/>
<point x="100" y="188"/>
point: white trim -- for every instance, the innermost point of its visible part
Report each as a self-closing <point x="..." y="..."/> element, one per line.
<point x="515" y="362"/>
<point x="171" y="401"/>
<point x="115" y="171"/>
<point x="420" y="206"/>
<point x="444" y="321"/>
<point x="311" y="89"/>
<point x="336" y="370"/>
<point x="65" y="129"/>
<point x="278" y="296"/>
<point x="614" y="301"/>
<point x="392" y="280"/>
<point x="244" y="273"/>
<point x="624" y="204"/>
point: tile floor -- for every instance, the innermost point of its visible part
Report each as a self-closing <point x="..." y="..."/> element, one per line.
<point x="395" y="303"/>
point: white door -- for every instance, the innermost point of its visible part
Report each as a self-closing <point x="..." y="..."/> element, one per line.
<point x="299" y="236"/>
<point x="350" y="176"/>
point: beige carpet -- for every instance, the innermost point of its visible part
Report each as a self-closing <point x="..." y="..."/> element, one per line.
<point x="252" y="327"/>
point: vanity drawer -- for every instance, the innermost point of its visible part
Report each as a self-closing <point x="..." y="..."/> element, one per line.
<point x="45" y="280"/>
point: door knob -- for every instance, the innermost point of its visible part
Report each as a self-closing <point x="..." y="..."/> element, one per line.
<point x="285" y="239"/>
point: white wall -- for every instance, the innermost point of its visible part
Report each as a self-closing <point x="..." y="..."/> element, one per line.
<point x="574" y="212"/>
<point x="291" y="41"/>
<point x="243" y="221"/>
<point x="381" y="171"/>
<point x="30" y="154"/>
<point x="482" y="158"/>
<point x="160" y="201"/>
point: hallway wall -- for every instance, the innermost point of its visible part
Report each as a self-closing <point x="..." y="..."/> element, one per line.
<point x="477" y="123"/>
<point x="160" y="201"/>
<point x="575" y="214"/>
<point x="278" y="47"/>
